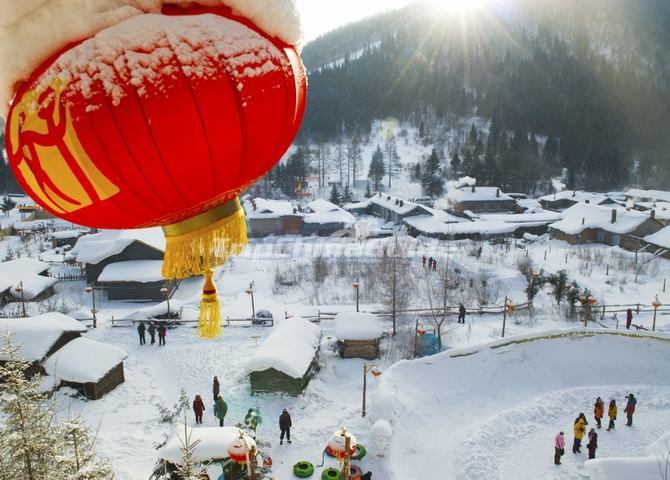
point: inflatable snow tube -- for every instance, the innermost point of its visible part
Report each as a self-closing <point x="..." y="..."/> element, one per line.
<point x="303" y="469"/>
<point x="359" y="453"/>
<point x="331" y="473"/>
<point x="355" y="472"/>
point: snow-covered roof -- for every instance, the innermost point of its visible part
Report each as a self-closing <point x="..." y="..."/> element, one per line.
<point x="581" y="216"/>
<point x="480" y="194"/>
<point x="334" y="216"/>
<point x="661" y="209"/>
<point x="266" y="208"/>
<point x="40" y="28"/>
<point x="213" y="443"/>
<point x="320" y="205"/>
<point x="24" y="272"/>
<point x="542" y="216"/>
<point x="430" y="225"/>
<point x="652" y="195"/>
<point x="660" y="238"/>
<point x="362" y="205"/>
<point x="289" y="349"/>
<point x="83" y="360"/>
<point x="96" y="247"/>
<point x="357" y="326"/>
<point x="141" y="271"/>
<point x="61" y="234"/>
<point x="395" y="204"/>
<point x="576" y="196"/>
<point x="36" y="335"/>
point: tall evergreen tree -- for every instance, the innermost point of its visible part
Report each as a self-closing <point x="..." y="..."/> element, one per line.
<point x="347" y="195"/>
<point x="432" y="181"/>
<point x="335" y="195"/>
<point x="377" y="169"/>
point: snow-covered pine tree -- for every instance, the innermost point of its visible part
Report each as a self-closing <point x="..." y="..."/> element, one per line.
<point x="29" y="443"/>
<point x="347" y="195"/>
<point x="7" y="204"/>
<point x="377" y="169"/>
<point x="187" y="469"/>
<point x="335" y="195"/>
<point x="79" y="460"/>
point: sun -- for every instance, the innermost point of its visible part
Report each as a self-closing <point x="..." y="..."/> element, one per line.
<point x="458" y="6"/>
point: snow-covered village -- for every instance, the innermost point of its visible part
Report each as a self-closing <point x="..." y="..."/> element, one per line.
<point x="283" y="239"/>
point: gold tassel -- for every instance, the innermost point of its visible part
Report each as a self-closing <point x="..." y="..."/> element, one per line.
<point x="205" y="241"/>
<point x="209" y="320"/>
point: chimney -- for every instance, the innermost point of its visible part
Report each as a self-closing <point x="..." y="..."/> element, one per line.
<point x="574" y="193"/>
<point x="652" y="213"/>
<point x="613" y="215"/>
<point x="583" y="220"/>
<point x="402" y="202"/>
<point x="473" y="188"/>
<point x="498" y="193"/>
<point x="397" y="201"/>
<point x="587" y="201"/>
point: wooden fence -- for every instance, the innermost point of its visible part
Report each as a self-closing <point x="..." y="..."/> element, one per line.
<point x="68" y="277"/>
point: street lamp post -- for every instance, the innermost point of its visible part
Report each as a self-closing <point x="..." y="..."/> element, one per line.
<point x="356" y="286"/>
<point x="19" y="289"/>
<point x="165" y="292"/>
<point x="91" y="290"/>
<point x="376" y="372"/>
<point x="250" y="292"/>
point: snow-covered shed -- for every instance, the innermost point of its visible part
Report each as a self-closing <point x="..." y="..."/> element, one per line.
<point x="659" y="243"/>
<point x="26" y="279"/>
<point x="480" y="199"/>
<point x="98" y="250"/>
<point x="325" y="218"/>
<point x="93" y="368"/>
<point x="41" y="336"/>
<point x="560" y="201"/>
<point x="272" y="217"/>
<point x="616" y="226"/>
<point x="61" y="238"/>
<point x="286" y="360"/>
<point x="358" y="335"/>
<point x="638" y="195"/>
<point x="139" y="280"/>
<point x="394" y="209"/>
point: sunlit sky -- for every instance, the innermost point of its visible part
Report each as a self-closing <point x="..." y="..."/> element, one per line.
<point x="321" y="16"/>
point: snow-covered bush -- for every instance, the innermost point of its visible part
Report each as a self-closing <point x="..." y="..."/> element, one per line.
<point x="381" y="435"/>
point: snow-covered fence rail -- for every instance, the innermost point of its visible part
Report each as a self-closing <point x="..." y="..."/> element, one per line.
<point x="68" y="277"/>
<point x="623" y="307"/>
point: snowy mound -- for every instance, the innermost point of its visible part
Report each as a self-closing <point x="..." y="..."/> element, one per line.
<point x="36" y="335"/>
<point x="212" y="443"/>
<point x="357" y="326"/>
<point x="38" y="29"/>
<point x="494" y="410"/>
<point x="83" y="360"/>
<point x="290" y="349"/>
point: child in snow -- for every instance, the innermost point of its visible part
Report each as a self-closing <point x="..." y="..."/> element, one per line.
<point x="598" y="411"/>
<point x="611" y="412"/>
<point x="285" y="425"/>
<point x="593" y="444"/>
<point x="162" y="332"/>
<point x="198" y="408"/>
<point x="220" y="409"/>
<point x="216" y="388"/>
<point x="461" y="314"/>
<point x="559" y="447"/>
<point x="578" y="430"/>
<point x="152" y="333"/>
<point x="630" y="409"/>
<point x="140" y="330"/>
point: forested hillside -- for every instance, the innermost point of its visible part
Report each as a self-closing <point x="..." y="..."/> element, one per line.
<point x="566" y="88"/>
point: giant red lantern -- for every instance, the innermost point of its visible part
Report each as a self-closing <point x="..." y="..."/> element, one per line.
<point x="160" y="120"/>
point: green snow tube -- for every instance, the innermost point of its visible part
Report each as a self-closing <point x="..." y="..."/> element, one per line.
<point x="303" y="469"/>
<point x="359" y="453"/>
<point x="331" y="473"/>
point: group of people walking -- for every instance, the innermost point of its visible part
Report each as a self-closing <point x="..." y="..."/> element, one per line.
<point x="580" y="423"/>
<point x="152" y="330"/>
<point x="432" y="263"/>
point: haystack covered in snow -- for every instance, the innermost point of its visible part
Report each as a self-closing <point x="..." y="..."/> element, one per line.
<point x="25" y="278"/>
<point x="98" y="250"/>
<point x="38" y="337"/>
<point x="92" y="368"/>
<point x="358" y="335"/>
<point x="213" y="443"/>
<point x="134" y="280"/>
<point x="285" y="361"/>
<point x="586" y="223"/>
<point x="480" y="199"/>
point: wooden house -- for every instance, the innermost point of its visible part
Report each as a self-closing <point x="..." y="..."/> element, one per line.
<point x="480" y="200"/>
<point x="98" y="250"/>
<point x="62" y="238"/>
<point x="272" y="217"/>
<point x="358" y="335"/>
<point x="39" y="337"/>
<point x="324" y="218"/>
<point x="27" y="278"/>
<point x="659" y="243"/>
<point x="135" y="280"/>
<point x="91" y="367"/>
<point x="394" y="209"/>
<point x="585" y="223"/>
<point x="561" y="201"/>
<point x="287" y="359"/>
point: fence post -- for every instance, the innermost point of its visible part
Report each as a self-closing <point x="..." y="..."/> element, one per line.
<point x="504" y="318"/>
<point x="638" y="308"/>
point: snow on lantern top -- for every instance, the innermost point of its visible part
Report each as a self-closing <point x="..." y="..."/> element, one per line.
<point x="38" y="29"/>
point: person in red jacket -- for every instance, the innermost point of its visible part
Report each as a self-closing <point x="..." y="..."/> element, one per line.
<point x="198" y="408"/>
<point x="592" y="446"/>
<point x="629" y="318"/>
<point x="630" y="409"/>
<point x="598" y="411"/>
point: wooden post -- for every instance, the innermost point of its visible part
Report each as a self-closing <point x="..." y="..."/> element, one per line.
<point x="346" y="468"/>
<point x="545" y="255"/>
<point x="566" y="257"/>
<point x="608" y="270"/>
<point x="664" y="285"/>
<point x="504" y="318"/>
<point x="252" y="463"/>
<point x="653" y="326"/>
<point x="416" y="329"/>
<point x="365" y="386"/>
<point x="638" y="308"/>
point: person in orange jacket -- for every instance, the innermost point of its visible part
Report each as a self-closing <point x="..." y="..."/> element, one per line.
<point x="579" y="429"/>
<point x="611" y="412"/>
<point x="598" y="411"/>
